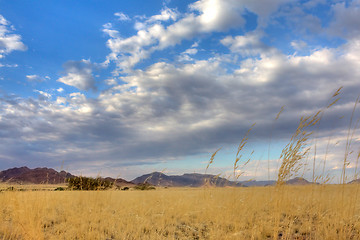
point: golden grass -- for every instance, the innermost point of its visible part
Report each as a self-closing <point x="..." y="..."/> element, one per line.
<point x="281" y="212"/>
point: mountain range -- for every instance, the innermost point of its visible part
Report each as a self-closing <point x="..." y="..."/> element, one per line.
<point x="36" y="176"/>
<point x="44" y="175"/>
<point x="50" y="176"/>
<point x="185" y="180"/>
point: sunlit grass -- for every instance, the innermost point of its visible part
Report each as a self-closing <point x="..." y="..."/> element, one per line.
<point x="286" y="212"/>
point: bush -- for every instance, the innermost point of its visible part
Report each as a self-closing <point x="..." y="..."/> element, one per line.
<point x="144" y="186"/>
<point x="86" y="183"/>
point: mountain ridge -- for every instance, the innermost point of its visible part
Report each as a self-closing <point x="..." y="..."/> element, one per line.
<point x="185" y="180"/>
<point x="23" y="175"/>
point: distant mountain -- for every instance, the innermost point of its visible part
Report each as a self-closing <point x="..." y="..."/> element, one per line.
<point x="356" y="181"/>
<point x="185" y="180"/>
<point x="119" y="182"/>
<point x="255" y="183"/>
<point x="198" y="180"/>
<point x="36" y="176"/>
<point x="51" y="176"/>
<point x="298" y="181"/>
<point x="47" y="176"/>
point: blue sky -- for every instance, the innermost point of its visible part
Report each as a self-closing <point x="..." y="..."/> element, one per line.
<point x="123" y="88"/>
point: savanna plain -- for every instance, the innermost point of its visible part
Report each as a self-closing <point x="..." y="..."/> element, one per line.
<point x="276" y="212"/>
<point x="314" y="211"/>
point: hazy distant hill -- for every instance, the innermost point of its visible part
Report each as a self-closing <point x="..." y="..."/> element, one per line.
<point x="298" y="181"/>
<point x="255" y="183"/>
<point x="294" y="181"/>
<point x="185" y="180"/>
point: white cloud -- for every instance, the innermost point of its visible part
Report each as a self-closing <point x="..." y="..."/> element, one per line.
<point x="204" y="16"/>
<point x="122" y="17"/>
<point x="299" y="45"/>
<point x="263" y="9"/>
<point x="8" y="41"/>
<point x="3" y="21"/>
<point x="185" y="56"/>
<point x="60" y="90"/>
<point x="107" y="28"/>
<point x="43" y="94"/>
<point x="35" y="78"/>
<point x="191" y="51"/>
<point x="248" y="45"/>
<point x="111" y="81"/>
<point x="314" y="3"/>
<point x="9" y="65"/>
<point x="346" y="20"/>
<point x="218" y="15"/>
<point x="79" y="75"/>
<point x="166" y="14"/>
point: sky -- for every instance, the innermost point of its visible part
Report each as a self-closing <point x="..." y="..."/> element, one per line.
<point x="125" y="88"/>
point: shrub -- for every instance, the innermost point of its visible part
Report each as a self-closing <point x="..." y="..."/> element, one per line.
<point x="86" y="183"/>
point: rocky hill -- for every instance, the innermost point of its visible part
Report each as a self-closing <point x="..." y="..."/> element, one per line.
<point x="36" y="176"/>
<point x="298" y="181"/>
<point x="120" y="182"/>
<point x="24" y="175"/>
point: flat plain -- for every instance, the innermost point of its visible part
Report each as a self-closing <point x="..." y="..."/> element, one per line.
<point x="276" y="212"/>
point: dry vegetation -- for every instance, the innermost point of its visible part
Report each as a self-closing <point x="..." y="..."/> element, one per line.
<point x="285" y="212"/>
<point x="317" y="211"/>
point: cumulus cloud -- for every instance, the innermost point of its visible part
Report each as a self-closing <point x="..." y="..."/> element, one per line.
<point x="79" y="74"/>
<point x="248" y="45"/>
<point x="165" y="15"/>
<point x="168" y="111"/>
<point x="346" y="20"/>
<point x="8" y="41"/>
<point x="204" y="16"/>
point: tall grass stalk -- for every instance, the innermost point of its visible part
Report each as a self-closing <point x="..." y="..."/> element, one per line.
<point x="238" y="156"/>
<point x="350" y="135"/>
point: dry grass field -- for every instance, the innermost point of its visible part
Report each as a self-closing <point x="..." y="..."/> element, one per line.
<point x="280" y="212"/>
